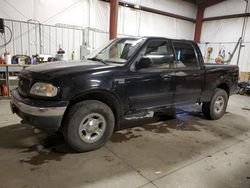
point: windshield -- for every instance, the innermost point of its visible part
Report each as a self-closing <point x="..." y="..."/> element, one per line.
<point x="119" y="51"/>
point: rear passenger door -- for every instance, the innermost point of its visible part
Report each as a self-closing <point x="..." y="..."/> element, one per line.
<point x="188" y="75"/>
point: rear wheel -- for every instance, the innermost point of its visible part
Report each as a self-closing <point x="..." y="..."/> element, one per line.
<point x="89" y="125"/>
<point x="216" y="108"/>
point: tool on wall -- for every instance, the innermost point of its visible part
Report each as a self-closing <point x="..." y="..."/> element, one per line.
<point x="3" y="34"/>
<point x="232" y="54"/>
<point x="221" y="56"/>
<point x="222" y="52"/>
<point x="243" y="32"/>
<point x="1" y="26"/>
<point x="208" y="55"/>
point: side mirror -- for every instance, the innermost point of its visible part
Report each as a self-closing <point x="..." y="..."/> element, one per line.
<point x="144" y="62"/>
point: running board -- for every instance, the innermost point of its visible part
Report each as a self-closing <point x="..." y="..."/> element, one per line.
<point x="140" y="115"/>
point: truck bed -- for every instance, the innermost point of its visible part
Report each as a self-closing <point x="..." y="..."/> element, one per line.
<point x="215" y="73"/>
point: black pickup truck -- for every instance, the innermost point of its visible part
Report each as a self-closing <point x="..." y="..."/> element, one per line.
<point x="87" y="100"/>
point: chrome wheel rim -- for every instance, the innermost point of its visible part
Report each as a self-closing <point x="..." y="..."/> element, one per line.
<point x="92" y="127"/>
<point x="219" y="105"/>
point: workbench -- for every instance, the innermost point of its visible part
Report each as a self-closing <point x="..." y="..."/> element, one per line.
<point x="11" y="68"/>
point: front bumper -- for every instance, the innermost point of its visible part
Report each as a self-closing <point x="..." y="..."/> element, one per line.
<point x="40" y="114"/>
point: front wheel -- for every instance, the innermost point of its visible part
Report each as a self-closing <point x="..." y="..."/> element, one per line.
<point x="89" y="125"/>
<point x="216" y="108"/>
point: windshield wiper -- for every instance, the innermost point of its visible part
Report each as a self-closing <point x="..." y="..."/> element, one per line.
<point x="96" y="59"/>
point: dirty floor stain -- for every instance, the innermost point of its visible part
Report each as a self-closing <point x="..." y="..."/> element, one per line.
<point x="247" y="109"/>
<point x="119" y="137"/>
<point x="51" y="148"/>
<point x="158" y="126"/>
<point x="43" y="157"/>
<point x="108" y="158"/>
<point x="161" y="128"/>
<point x="181" y="125"/>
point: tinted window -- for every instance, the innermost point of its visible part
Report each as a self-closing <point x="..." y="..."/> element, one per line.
<point x="119" y="51"/>
<point x="160" y="54"/>
<point x="185" y="55"/>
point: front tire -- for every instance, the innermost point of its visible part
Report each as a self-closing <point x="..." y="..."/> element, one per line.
<point x="216" y="108"/>
<point x="89" y="125"/>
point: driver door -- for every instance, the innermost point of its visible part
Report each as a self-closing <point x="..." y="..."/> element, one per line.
<point x="152" y="86"/>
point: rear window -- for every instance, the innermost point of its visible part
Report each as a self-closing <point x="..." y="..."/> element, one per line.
<point x="185" y="55"/>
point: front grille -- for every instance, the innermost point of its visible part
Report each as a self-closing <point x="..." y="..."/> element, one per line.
<point x="23" y="86"/>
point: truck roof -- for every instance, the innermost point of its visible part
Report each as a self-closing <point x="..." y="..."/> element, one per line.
<point x="155" y="37"/>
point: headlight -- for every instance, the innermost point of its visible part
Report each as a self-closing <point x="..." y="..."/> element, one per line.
<point x="43" y="89"/>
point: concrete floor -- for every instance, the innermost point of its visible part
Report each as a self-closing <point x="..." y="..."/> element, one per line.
<point x="185" y="152"/>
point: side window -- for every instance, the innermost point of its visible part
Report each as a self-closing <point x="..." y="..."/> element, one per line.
<point x="160" y="54"/>
<point x="185" y="55"/>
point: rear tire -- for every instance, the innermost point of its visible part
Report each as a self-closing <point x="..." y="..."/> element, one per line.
<point x="216" y="108"/>
<point x="88" y="125"/>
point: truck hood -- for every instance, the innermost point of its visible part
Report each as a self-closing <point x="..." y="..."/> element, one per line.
<point x="56" y="69"/>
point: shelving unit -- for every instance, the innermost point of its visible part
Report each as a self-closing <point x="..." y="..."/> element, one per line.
<point x="7" y="68"/>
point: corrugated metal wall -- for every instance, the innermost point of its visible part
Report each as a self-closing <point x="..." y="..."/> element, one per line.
<point x="224" y="34"/>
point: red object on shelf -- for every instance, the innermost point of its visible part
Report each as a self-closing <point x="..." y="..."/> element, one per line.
<point x="1" y="60"/>
<point x="4" y="90"/>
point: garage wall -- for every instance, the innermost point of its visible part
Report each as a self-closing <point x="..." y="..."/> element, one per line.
<point x="132" y="22"/>
<point x="45" y="11"/>
<point x="173" y="6"/>
<point x="141" y="23"/>
<point x="226" y="8"/>
<point x="94" y="14"/>
<point x="224" y="34"/>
